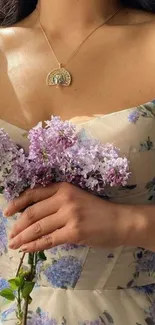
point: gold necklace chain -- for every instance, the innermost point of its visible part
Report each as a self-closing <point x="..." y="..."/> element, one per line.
<point x="61" y="76"/>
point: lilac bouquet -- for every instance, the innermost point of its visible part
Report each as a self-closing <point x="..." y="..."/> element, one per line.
<point x="57" y="153"/>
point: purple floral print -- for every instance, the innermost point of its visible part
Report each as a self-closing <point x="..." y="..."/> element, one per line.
<point x="134" y="116"/>
<point x="40" y="318"/>
<point x="3" y="284"/>
<point x="145" y="261"/>
<point x="65" y="272"/>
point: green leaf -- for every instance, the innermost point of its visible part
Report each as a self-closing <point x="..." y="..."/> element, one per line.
<point x="42" y="256"/>
<point x="16" y="283"/>
<point x="19" y="281"/>
<point x="29" y="300"/>
<point x="8" y="294"/>
<point x="13" y="284"/>
<point x="27" y="289"/>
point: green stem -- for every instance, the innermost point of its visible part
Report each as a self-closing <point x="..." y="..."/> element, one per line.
<point x="20" y="264"/>
<point x="22" y="316"/>
<point x="25" y="312"/>
<point x="33" y="264"/>
<point x="19" y="308"/>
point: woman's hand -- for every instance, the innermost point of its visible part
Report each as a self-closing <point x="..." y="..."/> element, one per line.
<point x="62" y="213"/>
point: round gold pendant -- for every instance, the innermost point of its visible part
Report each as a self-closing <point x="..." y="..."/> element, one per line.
<point x="59" y="77"/>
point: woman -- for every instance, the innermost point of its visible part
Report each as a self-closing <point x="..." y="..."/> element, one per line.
<point x="108" y="53"/>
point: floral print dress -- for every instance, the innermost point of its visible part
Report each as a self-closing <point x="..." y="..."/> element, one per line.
<point x="80" y="285"/>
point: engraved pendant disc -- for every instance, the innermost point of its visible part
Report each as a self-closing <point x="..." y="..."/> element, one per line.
<point x="59" y="77"/>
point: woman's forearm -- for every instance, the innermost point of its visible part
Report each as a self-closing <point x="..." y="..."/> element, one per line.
<point x="138" y="224"/>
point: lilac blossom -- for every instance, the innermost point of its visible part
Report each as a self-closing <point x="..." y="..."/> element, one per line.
<point x="58" y="153"/>
<point x="14" y="167"/>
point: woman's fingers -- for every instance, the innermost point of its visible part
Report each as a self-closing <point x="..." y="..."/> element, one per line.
<point x="54" y="239"/>
<point x="43" y="227"/>
<point x="29" y="197"/>
<point x="35" y="213"/>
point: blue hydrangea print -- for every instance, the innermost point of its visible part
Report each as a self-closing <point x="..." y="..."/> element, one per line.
<point x="3" y="284"/>
<point x="145" y="261"/>
<point x="65" y="272"/>
<point x="40" y="318"/>
<point x="144" y="110"/>
<point x="3" y="234"/>
<point x="148" y="289"/>
<point x="134" y="116"/>
<point x="4" y="315"/>
<point x="65" y="247"/>
<point x="150" y="319"/>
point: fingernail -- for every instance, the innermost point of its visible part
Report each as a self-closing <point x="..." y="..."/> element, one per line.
<point x="23" y="248"/>
<point x="12" y="244"/>
<point x="6" y="212"/>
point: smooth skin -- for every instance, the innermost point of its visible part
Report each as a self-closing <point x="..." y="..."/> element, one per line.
<point x="63" y="213"/>
<point x="113" y="70"/>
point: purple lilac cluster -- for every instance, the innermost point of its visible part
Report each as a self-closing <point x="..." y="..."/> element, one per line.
<point x="58" y="153"/>
<point x="14" y="167"/>
<point x="47" y="149"/>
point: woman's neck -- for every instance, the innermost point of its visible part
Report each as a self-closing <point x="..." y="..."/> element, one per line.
<point x="62" y="16"/>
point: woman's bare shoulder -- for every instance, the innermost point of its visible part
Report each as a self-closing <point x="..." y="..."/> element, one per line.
<point x="7" y="36"/>
<point x="11" y="38"/>
<point x="16" y="35"/>
<point x="8" y="45"/>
